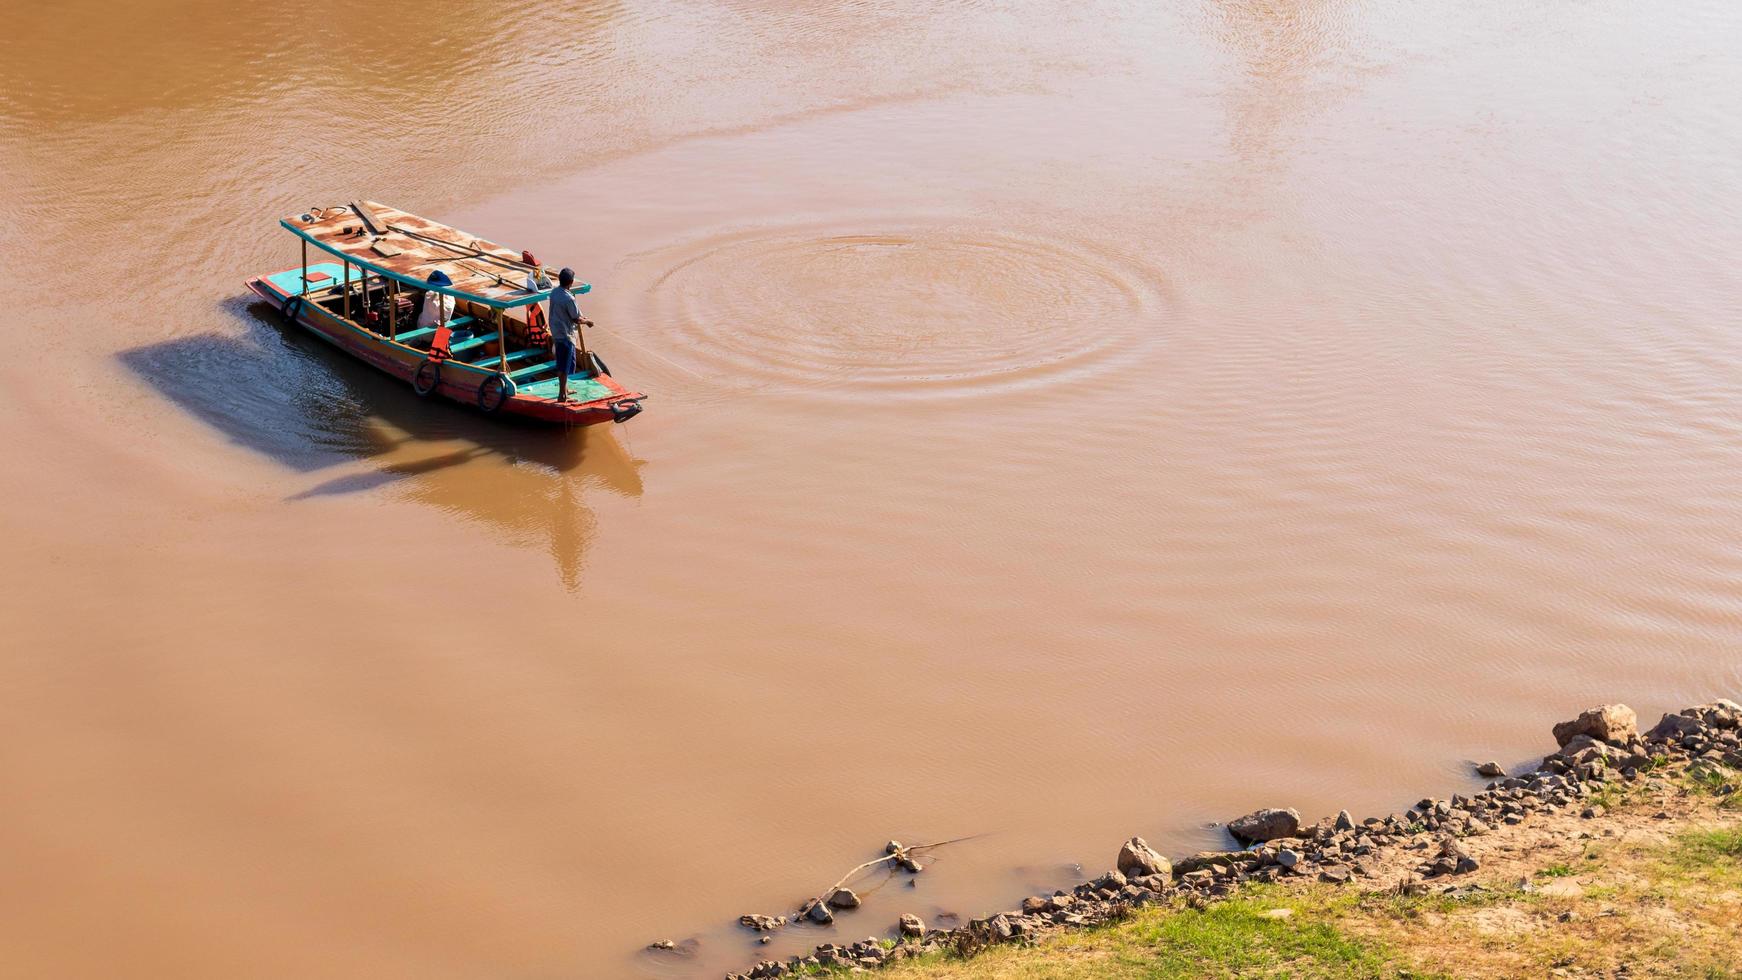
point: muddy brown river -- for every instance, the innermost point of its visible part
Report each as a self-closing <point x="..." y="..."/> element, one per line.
<point x="1068" y="421"/>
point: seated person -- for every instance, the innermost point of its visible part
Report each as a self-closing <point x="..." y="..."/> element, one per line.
<point x="438" y="308"/>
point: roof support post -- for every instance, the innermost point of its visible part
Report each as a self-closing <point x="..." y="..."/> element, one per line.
<point x="582" y="362"/>
<point x="502" y="339"/>
<point x="346" y="286"/>
<point x="393" y="310"/>
<point x="305" y="267"/>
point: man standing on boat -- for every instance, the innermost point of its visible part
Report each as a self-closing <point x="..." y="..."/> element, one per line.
<point x="565" y="330"/>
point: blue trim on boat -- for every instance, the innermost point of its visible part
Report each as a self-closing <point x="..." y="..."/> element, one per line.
<point x="471" y="345"/>
<point x="290" y="282"/>
<point x="514" y="357"/>
<point x="423" y="333"/>
<point x="527" y="372"/>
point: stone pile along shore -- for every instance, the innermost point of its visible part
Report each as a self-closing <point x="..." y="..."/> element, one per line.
<point x="1415" y="850"/>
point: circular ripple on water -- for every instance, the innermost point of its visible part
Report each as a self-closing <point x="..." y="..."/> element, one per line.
<point x="922" y="310"/>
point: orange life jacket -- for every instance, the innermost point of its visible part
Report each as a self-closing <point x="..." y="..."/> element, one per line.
<point x="438" y="345"/>
<point x="537" y="330"/>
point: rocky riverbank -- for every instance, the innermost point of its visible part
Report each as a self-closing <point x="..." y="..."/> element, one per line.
<point x="1602" y="760"/>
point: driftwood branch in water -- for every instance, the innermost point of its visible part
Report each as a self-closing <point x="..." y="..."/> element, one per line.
<point x="897" y="853"/>
<point x="817" y="909"/>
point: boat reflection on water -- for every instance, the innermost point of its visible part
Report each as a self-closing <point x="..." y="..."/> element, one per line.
<point x="286" y="396"/>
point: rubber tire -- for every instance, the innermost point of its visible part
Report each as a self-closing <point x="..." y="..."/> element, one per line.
<point x="291" y="307"/>
<point x="435" y="378"/>
<point x="599" y="364"/>
<point x="504" y="384"/>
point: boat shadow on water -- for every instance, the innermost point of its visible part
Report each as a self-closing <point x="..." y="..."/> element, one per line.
<point x="279" y="392"/>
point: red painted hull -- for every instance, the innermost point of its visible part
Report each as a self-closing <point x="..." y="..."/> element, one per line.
<point x="459" y="382"/>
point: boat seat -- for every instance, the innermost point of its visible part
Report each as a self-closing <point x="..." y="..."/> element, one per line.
<point x="527" y="372"/>
<point x="466" y="346"/>
<point x="411" y="337"/>
<point x="513" y="358"/>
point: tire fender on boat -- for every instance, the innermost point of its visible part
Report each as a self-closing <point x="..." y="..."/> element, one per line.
<point x="504" y="386"/>
<point x="599" y="363"/>
<point x="434" y="369"/>
<point x="292" y="307"/>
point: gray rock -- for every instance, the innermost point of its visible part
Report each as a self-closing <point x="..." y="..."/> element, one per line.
<point x="818" y="912"/>
<point x="1453" y="859"/>
<point x="912" y="926"/>
<point x="762" y="923"/>
<point x="1721" y="713"/>
<point x="844" y="898"/>
<point x="1674" y="728"/>
<point x="1263" y="825"/>
<point x="1111" y="881"/>
<point x="1137" y="859"/>
<point x="1490" y="770"/>
<point x="1583" y="748"/>
<point x="1212" y="859"/>
<point x="1605" y="723"/>
<point x="1343" y="821"/>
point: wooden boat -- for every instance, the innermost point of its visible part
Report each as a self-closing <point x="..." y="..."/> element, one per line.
<point x="364" y="303"/>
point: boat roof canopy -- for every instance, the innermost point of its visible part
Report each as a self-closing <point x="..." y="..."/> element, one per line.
<point x="405" y="247"/>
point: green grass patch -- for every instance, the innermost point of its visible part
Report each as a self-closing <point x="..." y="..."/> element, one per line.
<point x="1711" y="857"/>
<point x="1239" y="937"/>
<point x="1556" y="871"/>
<point x="1705" y="846"/>
<point x="1234" y="937"/>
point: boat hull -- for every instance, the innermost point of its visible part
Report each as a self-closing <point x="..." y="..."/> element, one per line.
<point x="456" y="382"/>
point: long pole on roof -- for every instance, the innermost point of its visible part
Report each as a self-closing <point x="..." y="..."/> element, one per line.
<point x="472" y="252"/>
